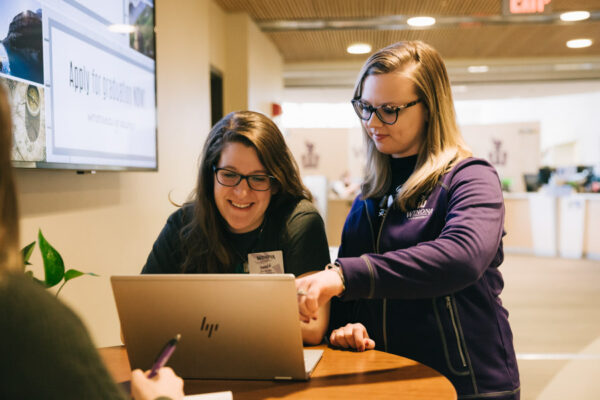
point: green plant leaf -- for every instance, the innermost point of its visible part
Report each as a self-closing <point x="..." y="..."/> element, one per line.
<point x="54" y="267"/>
<point x="73" y="273"/>
<point x="26" y="253"/>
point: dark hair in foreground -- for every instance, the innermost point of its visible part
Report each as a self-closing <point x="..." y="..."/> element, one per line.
<point x="10" y="256"/>
<point x="204" y="242"/>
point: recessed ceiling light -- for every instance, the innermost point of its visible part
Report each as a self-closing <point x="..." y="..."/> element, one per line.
<point x="579" y="43"/>
<point x="421" y="21"/>
<point x="359" y="48"/>
<point x="573" y="67"/>
<point x="121" y="28"/>
<point x="574" y="16"/>
<point x="478" y="69"/>
<point x="460" y="89"/>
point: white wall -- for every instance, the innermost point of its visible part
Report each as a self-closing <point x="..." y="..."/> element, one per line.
<point x="106" y="223"/>
<point x="567" y="113"/>
<point x="507" y="146"/>
<point x="265" y="67"/>
<point x="218" y="26"/>
<point x="235" y="77"/>
<point x="253" y="76"/>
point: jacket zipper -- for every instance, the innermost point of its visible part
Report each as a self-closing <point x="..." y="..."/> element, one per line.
<point x="452" y="318"/>
<point x="376" y="249"/>
<point x="366" y="259"/>
<point x="370" y="226"/>
<point x="384" y="322"/>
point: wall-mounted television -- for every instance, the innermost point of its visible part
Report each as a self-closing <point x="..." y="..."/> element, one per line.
<point x="81" y="77"/>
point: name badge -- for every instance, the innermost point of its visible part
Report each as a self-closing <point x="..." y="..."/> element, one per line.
<point x="269" y="262"/>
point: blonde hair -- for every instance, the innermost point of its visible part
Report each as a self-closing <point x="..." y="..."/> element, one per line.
<point x="10" y="256"/>
<point x="442" y="146"/>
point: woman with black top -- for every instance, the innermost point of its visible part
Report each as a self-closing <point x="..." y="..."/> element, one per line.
<point x="249" y="202"/>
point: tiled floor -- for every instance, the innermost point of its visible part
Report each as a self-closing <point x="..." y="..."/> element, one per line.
<point x="554" y="307"/>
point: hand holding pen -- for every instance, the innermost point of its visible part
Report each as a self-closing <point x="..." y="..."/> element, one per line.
<point x="160" y="381"/>
<point x="164" y="355"/>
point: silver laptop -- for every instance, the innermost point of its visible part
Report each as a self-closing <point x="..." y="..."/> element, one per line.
<point x="232" y="326"/>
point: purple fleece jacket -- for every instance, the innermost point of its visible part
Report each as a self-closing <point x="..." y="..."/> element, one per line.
<point x="427" y="284"/>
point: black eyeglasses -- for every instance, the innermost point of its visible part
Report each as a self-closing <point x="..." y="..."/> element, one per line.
<point x="386" y="114"/>
<point x="230" y="178"/>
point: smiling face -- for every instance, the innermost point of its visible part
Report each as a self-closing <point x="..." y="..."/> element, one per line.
<point x="405" y="136"/>
<point x="242" y="208"/>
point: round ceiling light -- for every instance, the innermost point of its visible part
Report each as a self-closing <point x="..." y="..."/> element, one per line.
<point x="478" y="69"/>
<point x="359" y="48"/>
<point x="574" y="16"/>
<point x="579" y="43"/>
<point x="421" y="21"/>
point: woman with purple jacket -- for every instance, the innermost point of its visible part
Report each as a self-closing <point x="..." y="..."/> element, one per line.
<point x="417" y="270"/>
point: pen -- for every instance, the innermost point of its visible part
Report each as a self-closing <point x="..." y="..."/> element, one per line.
<point x="164" y="355"/>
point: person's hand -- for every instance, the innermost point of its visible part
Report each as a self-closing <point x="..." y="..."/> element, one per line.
<point x="164" y="383"/>
<point x="352" y="336"/>
<point x="315" y="290"/>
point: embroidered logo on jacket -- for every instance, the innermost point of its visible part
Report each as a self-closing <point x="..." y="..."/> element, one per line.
<point x="421" y="211"/>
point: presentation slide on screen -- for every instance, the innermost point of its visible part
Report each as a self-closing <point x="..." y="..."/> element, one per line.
<point x="109" y="95"/>
<point x="82" y="84"/>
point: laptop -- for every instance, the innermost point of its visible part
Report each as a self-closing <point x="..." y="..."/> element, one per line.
<point x="232" y="326"/>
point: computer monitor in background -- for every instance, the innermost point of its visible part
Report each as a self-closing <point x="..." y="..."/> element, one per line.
<point x="81" y="79"/>
<point x="532" y="182"/>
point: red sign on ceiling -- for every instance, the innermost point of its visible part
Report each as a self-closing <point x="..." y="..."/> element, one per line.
<point x="527" y="6"/>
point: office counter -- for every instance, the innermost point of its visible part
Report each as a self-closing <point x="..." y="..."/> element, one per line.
<point x="339" y="375"/>
<point x="547" y="225"/>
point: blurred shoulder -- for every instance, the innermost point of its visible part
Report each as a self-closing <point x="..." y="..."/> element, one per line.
<point x="304" y="206"/>
<point x="472" y="168"/>
<point x="182" y="215"/>
<point x="28" y="302"/>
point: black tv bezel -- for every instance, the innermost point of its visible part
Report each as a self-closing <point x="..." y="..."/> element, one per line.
<point x="83" y="168"/>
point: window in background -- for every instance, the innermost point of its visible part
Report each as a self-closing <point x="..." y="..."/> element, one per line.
<point x="318" y="115"/>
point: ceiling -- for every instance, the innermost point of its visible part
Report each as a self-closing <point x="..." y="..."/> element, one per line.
<point x="313" y="33"/>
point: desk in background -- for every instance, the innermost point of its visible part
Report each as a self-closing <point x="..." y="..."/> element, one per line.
<point x="548" y="225"/>
<point x="339" y="375"/>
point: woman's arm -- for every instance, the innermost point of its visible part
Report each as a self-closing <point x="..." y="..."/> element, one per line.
<point x="306" y="252"/>
<point x="465" y="248"/>
<point x="468" y="244"/>
<point x="353" y="336"/>
<point x="164" y="385"/>
<point x="314" y="330"/>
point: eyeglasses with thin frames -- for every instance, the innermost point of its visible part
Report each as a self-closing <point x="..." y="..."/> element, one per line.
<point x="231" y="178"/>
<point x="386" y="113"/>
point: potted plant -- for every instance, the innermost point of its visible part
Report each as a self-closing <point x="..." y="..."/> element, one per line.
<point x="54" y="266"/>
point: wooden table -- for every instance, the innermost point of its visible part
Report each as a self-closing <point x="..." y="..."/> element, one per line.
<point x="340" y="374"/>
